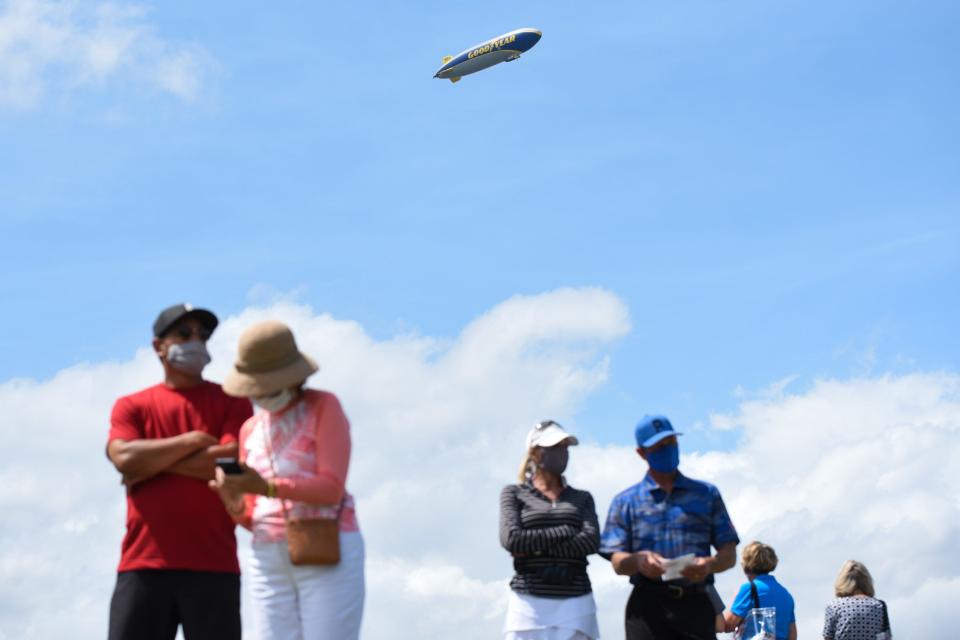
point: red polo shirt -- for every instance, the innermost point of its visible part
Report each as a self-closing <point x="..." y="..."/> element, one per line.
<point x="176" y="522"/>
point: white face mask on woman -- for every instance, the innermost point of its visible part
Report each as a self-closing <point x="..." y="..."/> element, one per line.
<point x="275" y="401"/>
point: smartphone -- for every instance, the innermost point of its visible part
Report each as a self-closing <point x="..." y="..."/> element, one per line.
<point x="230" y="466"/>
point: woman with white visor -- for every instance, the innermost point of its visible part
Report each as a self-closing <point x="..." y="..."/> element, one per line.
<point x="549" y="528"/>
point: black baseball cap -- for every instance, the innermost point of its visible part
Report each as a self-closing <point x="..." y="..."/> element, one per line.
<point x="172" y="315"/>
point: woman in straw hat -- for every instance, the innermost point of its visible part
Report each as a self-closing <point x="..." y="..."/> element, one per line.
<point x="549" y="528"/>
<point x="295" y="452"/>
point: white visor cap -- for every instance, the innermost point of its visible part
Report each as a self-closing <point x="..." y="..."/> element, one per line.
<point x="547" y="434"/>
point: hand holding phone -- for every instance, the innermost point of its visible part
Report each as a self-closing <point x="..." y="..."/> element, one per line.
<point x="230" y="466"/>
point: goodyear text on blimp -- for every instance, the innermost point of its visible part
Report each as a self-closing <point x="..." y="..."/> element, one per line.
<point x="487" y="48"/>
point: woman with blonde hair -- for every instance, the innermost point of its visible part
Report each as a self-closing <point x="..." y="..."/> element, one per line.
<point x="761" y="590"/>
<point x="549" y="528"/>
<point x="855" y="613"/>
<point x="306" y="572"/>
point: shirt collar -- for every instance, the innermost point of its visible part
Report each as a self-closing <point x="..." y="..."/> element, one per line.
<point x="680" y="481"/>
<point x="563" y="486"/>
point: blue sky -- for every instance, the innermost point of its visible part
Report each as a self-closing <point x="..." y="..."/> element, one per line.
<point x="768" y="189"/>
<point x="772" y="189"/>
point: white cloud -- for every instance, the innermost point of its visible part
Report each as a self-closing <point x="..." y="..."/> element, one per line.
<point x="847" y="468"/>
<point x="438" y="426"/>
<point x="858" y="468"/>
<point x="54" y="47"/>
<point x="861" y="468"/>
<point x="436" y="595"/>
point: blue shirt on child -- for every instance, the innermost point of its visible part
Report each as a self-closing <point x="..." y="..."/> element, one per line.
<point x="770" y="594"/>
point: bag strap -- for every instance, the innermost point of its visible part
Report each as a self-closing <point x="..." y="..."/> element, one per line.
<point x="273" y="469"/>
<point x="754" y="596"/>
<point x="886" y="618"/>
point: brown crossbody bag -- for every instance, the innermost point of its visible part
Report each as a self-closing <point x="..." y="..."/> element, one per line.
<point x="310" y="540"/>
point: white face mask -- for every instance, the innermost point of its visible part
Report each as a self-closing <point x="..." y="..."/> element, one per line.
<point x="274" y="402"/>
<point x="189" y="357"/>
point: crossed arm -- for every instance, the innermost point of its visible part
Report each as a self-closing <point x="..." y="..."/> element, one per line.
<point x="561" y="540"/>
<point x="189" y="454"/>
<point x="586" y="541"/>
<point x="519" y="541"/>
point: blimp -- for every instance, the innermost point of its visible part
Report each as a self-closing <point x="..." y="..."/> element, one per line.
<point x="505" y="48"/>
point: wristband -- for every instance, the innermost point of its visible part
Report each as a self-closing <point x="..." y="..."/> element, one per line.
<point x="271" y="489"/>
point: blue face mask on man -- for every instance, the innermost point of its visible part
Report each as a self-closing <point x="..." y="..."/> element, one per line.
<point x="664" y="459"/>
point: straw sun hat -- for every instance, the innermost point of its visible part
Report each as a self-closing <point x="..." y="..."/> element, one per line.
<point x="267" y="361"/>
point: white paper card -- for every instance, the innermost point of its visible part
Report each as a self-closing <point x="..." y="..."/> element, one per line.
<point x="674" y="566"/>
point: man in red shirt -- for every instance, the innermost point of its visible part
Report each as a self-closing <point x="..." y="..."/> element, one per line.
<point x="178" y="563"/>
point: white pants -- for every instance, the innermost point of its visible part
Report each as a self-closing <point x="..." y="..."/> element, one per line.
<point x="307" y="602"/>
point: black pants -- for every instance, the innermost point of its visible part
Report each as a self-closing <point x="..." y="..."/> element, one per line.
<point x="654" y="614"/>
<point x="150" y="604"/>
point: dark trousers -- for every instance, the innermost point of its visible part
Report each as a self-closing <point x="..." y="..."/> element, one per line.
<point x="656" y="614"/>
<point x="150" y="604"/>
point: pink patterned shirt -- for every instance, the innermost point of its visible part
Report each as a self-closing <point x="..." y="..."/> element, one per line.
<point x="310" y="443"/>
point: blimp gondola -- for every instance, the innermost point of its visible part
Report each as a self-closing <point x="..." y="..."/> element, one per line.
<point x="505" y="48"/>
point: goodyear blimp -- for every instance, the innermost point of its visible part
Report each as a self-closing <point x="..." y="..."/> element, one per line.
<point x="505" y="48"/>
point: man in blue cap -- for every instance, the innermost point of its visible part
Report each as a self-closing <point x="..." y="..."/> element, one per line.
<point x="666" y="516"/>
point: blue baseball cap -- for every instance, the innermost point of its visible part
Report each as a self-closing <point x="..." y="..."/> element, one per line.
<point x="652" y="429"/>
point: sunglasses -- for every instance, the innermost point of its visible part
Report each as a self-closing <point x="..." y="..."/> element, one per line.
<point x="188" y="332"/>
<point x="540" y="426"/>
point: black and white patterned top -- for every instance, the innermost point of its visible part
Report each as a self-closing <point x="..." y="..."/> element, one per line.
<point x="550" y="541"/>
<point x="853" y="618"/>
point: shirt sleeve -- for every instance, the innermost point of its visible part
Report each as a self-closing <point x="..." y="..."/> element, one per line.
<point x="585" y="541"/>
<point x="125" y="421"/>
<point x="723" y="531"/>
<point x="245" y="519"/>
<point x="618" y="530"/>
<point x="515" y="539"/>
<point x="741" y="604"/>
<point x="238" y="411"/>
<point x="332" y="456"/>
<point x="829" y="622"/>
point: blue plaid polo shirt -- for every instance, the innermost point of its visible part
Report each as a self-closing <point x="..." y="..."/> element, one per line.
<point x="690" y="519"/>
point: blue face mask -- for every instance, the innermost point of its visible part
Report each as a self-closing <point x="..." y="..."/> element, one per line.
<point x="665" y="459"/>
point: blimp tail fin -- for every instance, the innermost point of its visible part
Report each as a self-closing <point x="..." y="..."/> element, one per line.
<point x="447" y="59"/>
<point x="455" y="79"/>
